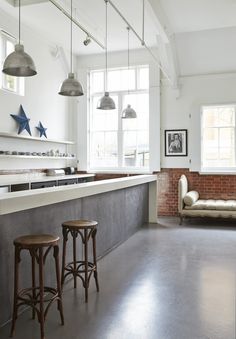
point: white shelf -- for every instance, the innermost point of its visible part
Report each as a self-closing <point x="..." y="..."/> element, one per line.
<point x="26" y="137"/>
<point x="34" y="157"/>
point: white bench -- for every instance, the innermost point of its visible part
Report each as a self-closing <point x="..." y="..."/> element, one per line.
<point x="200" y="207"/>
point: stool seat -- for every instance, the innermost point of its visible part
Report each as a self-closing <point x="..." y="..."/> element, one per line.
<point x="38" y="240"/>
<point x="83" y="269"/>
<point x="38" y="296"/>
<point x="80" y="224"/>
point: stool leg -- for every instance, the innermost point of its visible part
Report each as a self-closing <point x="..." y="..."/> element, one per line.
<point x="86" y="264"/>
<point x="74" y="258"/>
<point x="59" y="301"/>
<point x="41" y="293"/>
<point x="95" y="259"/>
<point x="63" y="256"/>
<point x="16" y="282"/>
<point x="33" y="282"/>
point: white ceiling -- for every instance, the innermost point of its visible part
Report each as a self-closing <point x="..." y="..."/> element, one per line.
<point x="200" y="27"/>
<point x="198" y="15"/>
<point x="50" y="22"/>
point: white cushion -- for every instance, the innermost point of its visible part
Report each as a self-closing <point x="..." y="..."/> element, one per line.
<point x="191" y="197"/>
<point x="211" y="204"/>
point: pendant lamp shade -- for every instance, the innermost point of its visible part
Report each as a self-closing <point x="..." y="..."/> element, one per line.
<point x="129" y="113"/>
<point x="106" y="102"/>
<point x="71" y="87"/>
<point x="19" y="63"/>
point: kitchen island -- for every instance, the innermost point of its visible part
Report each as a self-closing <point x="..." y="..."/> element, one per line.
<point x="120" y="206"/>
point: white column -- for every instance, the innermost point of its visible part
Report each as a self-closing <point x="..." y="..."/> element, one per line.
<point x="152" y="202"/>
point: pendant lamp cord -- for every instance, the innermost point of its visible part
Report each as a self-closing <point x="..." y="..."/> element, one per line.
<point x="71" y="36"/>
<point x="106" y="49"/>
<point x="143" y="43"/>
<point x="19" y="21"/>
<point x="128" y="29"/>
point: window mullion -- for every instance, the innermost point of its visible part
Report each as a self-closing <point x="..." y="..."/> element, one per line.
<point x="120" y="130"/>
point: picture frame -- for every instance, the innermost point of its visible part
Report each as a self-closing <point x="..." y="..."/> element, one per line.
<point x="176" y="143"/>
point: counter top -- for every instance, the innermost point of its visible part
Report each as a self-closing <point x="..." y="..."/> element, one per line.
<point x="23" y="200"/>
<point x="21" y="179"/>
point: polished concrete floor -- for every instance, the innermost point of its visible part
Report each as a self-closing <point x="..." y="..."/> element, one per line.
<point x="165" y="282"/>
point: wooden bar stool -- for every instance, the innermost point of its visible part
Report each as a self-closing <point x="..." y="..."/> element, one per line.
<point x="80" y="268"/>
<point x="35" y="296"/>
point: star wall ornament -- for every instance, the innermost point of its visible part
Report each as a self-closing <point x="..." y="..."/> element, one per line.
<point x="42" y="130"/>
<point x="22" y="120"/>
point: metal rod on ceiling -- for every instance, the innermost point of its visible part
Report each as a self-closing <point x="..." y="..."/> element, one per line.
<point x="143" y="23"/>
<point x="140" y="39"/>
<point x="77" y="23"/>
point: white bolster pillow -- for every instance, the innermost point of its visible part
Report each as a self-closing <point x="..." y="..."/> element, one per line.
<point x="191" y="197"/>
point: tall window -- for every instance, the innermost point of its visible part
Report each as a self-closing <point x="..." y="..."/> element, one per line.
<point x="218" y="137"/>
<point x="117" y="143"/>
<point x="8" y="82"/>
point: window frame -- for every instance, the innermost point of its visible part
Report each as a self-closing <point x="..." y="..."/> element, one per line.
<point x="120" y="131"/>
<point x="217" y="170"/>
<point x="19" y="82"/>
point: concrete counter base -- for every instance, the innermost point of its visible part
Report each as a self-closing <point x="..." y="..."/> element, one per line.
<point x="120" y="213"/>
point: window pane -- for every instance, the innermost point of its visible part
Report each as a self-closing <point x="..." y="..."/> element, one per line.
<point x="127" y="79"/>
<point x="103" y="149"/>
<point x="103" y="119"/>
<point x="218" y="146"/>
<point x="97" y="82"/>
<point x="143" y="81"/>
<point x="140" y="103"/>
<point x="130" y="149"/>
<point x="226" y="137"/>
<point x="103" y="138"/>
<point x="136" y="131"/>
<point x="219" y="116"/>
<point x="210" y="138"/>
<point x="10" y="83"/>
<point x="121" y="80"/>
<point x="143" y="149"/>
<point x="9" y="47"/>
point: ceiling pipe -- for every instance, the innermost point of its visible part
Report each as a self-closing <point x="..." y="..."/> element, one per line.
<point x="140" y="39"/>
<point x="77" y="24"/>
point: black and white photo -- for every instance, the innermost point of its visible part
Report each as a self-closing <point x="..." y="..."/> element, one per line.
<point x="176" y="143"/>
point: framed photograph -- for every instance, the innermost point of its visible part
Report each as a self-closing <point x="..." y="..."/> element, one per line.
<point x="176" y="143"/>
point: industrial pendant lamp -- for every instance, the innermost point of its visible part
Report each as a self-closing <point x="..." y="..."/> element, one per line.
<point x="71" y="87"/>
<point x="128" y="112"/>
<point x="19" y="63"/>
<point x="106" y="102"/>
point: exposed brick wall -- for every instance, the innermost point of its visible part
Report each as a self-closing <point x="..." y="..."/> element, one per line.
<point x="208" y="187"/>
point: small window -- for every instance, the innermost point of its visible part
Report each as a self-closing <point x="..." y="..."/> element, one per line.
<point x="8" y="82"/>
<point x="218" y="137"/>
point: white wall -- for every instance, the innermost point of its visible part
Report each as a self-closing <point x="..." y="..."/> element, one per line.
<point x="138" y="57"/>
<point x="207" y="63"/>
<point x="195" y="92"/>
<point x="204" y="52"/>
<point x="41" y="101"/>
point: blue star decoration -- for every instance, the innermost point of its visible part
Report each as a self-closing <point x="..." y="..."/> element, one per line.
<point x="41" y="129"/>
<point x="22" y="120"/>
